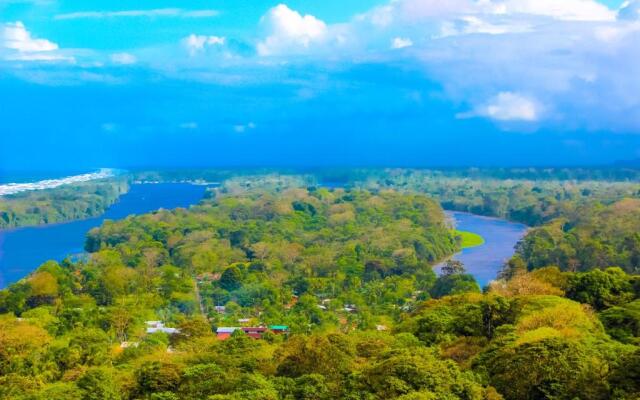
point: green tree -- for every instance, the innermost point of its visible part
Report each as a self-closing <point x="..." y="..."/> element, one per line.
<point x="231" y="279"/>
<point x="99" y="384"/>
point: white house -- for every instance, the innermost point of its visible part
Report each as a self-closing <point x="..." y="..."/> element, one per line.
<point x="158" y="326"/>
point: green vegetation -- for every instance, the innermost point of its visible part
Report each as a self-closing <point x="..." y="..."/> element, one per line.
<point x="349" y="272"/>
<point x="596" y="236"/>
<point x="65" y="203"/>
<point x="469" y="239"/>
<point x="533" y="197"/>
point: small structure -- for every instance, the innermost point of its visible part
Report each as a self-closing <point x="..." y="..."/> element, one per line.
<point x="220" y="309"/>
<point x="350" y="308"/>
<point x="279" y="329"/>
<point x="158" y="326"/>
<point x="126" y="345"/>
<point x="381" y="328"/>
<point x="225" y="333"/>
<point x="254" y="332"/>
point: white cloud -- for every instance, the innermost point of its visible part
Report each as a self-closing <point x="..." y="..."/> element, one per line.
<point x="16" y="37"/>
<point x="507" y="106"/>
<point x="568" y="10"/>
<point x="401" y="43"/>
<point x="475" y="25"/>
<point x="20" y="45"/>
<point x="196" y="43"/>
<point x="123" y="58"/>
<point x="381" y="16"/>
<point x="152" y="13"/>
<point x="289" y="31"/>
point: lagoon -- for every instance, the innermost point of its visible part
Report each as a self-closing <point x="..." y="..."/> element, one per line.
<point x="22" y="250"/>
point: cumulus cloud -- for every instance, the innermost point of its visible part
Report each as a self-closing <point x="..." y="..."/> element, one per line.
<point x="401" y="43"/>
<point x="289" y="31"/>
<point x="507" y="106"/>
<point x="151" y="13"/>
<point x="16" y="37"/>
<point x="196" y="43"/>
<point x="501" y="57"/>
<point x="20" y="45"/>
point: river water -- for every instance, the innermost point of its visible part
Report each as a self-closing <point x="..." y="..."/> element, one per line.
<point x="23" y="250"/>
<point x="501" y="236"/>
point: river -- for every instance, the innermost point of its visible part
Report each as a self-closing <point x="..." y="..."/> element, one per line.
<point x="22" y="250"/>
<point x="485" y="261"/>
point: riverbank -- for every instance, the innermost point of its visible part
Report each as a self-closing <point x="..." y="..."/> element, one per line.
<point x="22" y="250"/>
<point x="484" y="261"/>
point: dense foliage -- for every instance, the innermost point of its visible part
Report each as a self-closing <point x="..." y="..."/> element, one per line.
<point x="533" y="196"/>
<point x="595" y="236"/>
<point x="350" y="273"/>
<point x="529" y="201"/>
<point x="65" y="203"/>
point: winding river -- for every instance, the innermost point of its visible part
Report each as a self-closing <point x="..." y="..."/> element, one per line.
<point x="23" y="250"/>
<point x="485" y="261"/>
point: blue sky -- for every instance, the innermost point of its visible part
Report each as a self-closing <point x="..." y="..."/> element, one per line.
<point x="364" y="82"/>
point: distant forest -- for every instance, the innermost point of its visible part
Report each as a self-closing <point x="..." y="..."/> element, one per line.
<point x="65" y="203"/>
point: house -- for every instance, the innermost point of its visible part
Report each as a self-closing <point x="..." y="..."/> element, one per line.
<point x="254" y="332"/>
<point x="220" y="309"/>
<point x="279" y="329"/>
<point x="350" y="308"/>
<point x="224" y="333"/>
<point x="158" y="326"/>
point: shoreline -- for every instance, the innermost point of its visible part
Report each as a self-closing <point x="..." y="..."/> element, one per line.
<point x="9" y="189"/>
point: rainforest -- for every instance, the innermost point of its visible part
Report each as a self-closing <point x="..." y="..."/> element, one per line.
<point x="275" y="286"/>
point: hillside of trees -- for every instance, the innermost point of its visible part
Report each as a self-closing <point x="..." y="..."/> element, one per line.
<point x="65" y="203"/>
<point x="595" y="236"/>
<point x="348" y="272"/>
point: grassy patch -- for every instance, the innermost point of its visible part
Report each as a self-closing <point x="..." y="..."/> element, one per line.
<point x="469" y="239"/>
